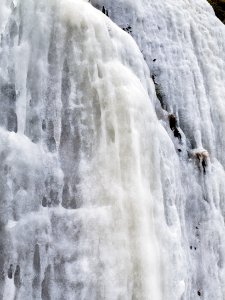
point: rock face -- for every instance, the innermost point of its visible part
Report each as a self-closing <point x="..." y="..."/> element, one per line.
<point x="219" y="8"/>
<point x="112" y="125"/>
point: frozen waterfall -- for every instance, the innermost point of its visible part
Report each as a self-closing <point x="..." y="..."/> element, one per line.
<point x="112" y="150"/>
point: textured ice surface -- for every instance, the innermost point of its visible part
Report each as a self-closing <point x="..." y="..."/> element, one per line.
<point x="111" y="151"/>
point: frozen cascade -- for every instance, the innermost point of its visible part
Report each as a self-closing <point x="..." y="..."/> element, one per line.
<point x="112" y="166"/>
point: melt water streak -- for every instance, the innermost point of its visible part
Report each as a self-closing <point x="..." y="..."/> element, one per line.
<point x="79" y="145"/>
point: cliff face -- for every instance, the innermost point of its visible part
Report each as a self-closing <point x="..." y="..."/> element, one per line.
<point x="112" y="121"/>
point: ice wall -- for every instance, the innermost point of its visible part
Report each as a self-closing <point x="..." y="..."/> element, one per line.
<point x="112" y="167"/>
<point x="183" y="45"/>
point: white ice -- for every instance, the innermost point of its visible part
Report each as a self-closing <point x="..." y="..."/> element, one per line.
<point x="112" y="164"/>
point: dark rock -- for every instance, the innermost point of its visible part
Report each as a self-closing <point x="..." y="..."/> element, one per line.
<point x="172" y="121"/>
<point x="202" y="157"/>
<point x="177" y="133"/>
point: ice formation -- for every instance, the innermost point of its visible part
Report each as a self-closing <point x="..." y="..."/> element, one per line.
<point x="112" y="121"/>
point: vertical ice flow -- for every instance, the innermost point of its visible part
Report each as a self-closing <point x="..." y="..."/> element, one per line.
<point x="112" y="165"/>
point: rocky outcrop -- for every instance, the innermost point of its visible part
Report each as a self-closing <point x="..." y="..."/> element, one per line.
<point x="219" y="8"/>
